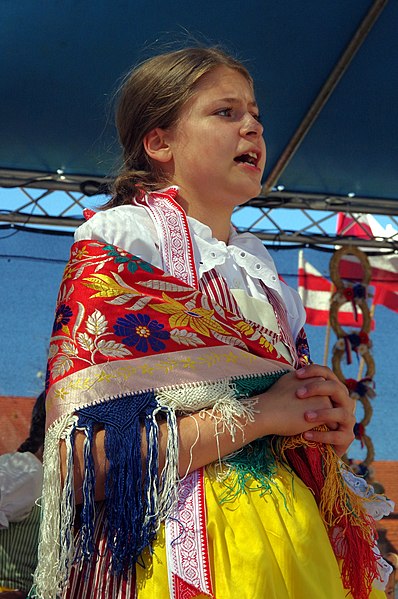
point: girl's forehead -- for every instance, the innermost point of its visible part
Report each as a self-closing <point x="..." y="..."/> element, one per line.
<point x="225" y="82"/>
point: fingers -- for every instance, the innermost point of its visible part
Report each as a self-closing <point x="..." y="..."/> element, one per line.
<point x="319" y="417"/>
<point x="293" y="406"/>
<point x="314" y="373"/>
<point x="340" y="419"/>
<point x="315" y="370"/>
<point x="341" y="439"/>
<point x="340" y="422"/>
<point x="323" y="387"/>
<point x="332" y="416"/>
<point x="333" y="388"/>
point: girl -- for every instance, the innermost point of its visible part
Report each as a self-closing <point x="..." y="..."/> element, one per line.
<point x="200" y="446"/>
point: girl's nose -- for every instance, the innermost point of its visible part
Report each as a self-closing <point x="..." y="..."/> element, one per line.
<point x="251" y="126"/>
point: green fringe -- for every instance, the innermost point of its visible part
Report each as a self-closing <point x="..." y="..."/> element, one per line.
<point x="256" y="461"/>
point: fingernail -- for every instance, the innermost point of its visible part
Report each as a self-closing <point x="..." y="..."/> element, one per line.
<point x="310" y="415"/>
<point x="300" y="371"/>
<point x="308" y="435"/>
<point x="301" y="391"/>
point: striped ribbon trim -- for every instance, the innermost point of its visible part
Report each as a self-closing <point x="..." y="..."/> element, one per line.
<point x="285" y="334"/>
<point x="94" y="580"/>
<point x="215" y="286"/>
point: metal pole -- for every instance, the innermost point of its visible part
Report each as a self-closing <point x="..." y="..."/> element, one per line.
<point x="324" y="94"/>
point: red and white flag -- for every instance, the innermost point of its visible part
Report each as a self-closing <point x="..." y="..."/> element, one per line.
<point x="316" y="292"/>
<point x="384" y="266"/>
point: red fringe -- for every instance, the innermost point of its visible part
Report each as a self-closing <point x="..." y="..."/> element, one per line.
<point x="349" y="540"/>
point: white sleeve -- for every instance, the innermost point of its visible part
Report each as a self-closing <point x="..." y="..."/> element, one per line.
<point x="127" y="227"/>
<point x="21" y="480"/>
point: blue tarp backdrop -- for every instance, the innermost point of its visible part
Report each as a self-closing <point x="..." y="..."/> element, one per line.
<point x="61" y="61"/>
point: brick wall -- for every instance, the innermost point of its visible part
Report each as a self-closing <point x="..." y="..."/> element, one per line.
<point x="15" y="414"/>
<point x="386" y="473"/>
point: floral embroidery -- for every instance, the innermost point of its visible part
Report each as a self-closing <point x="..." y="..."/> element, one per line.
<point x="139" y="330"/>
<point x="80" y="253"/>
<point x="133" y="263"/>
<point x="264" y="342"/>
<point x="129" y="304"/>
<point x="108" y="287"/>
<point x="69" y="347"/>
<point x="62" y="317"/>
<point x="183" y="337"/>
<point x="245" y="328"/>
<point x="181" y="315"/>
<point x="82" y="258"/>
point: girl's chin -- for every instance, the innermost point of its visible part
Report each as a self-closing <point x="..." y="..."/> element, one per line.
<point x="251" y="191"/>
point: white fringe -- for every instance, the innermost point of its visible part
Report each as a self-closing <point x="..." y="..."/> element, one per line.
<point x="163" y="498"/>
<point x="56" y="547"/>
<point x="169" y="478"/>
<point x="217" y="399"/>
<point x="192" y="447"/>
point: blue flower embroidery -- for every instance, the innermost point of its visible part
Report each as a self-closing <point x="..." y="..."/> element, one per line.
<point x="139" y="330"/>
<point x="62" y="317"/>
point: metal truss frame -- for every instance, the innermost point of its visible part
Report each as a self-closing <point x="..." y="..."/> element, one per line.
<point x="57" y="202"/>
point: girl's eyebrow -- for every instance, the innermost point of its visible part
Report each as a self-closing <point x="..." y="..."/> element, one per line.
<point x="234" y="100"/>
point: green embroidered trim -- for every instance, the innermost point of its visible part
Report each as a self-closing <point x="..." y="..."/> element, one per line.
<point x="251" y="385"/>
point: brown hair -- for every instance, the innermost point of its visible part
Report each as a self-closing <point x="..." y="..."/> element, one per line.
<point x="151" y="96"/>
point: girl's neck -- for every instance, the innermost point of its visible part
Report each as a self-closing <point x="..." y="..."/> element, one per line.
<point x="217" y="217"/>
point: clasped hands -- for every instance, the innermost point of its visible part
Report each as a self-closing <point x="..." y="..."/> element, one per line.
<point x="305" y="399"/>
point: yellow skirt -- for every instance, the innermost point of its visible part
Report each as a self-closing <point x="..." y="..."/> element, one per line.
<point x="261" y="546"/>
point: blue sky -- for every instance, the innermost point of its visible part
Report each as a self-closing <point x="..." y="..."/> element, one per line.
<point x="58" y="202"/>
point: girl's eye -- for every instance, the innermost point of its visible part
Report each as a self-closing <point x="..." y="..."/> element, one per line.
<point x="224" y="112"/>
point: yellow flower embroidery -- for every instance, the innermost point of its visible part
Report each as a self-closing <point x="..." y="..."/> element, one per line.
<point x="107" y="287"/>
<point x="68" y="272"/>
<point x="245" y="328"/>
<point x="265" y="343"/>
<point x="80" y="253"/>
<point x="61" y="393"/>
<point x="188" y="363"/>
<point x="198" y="319"/>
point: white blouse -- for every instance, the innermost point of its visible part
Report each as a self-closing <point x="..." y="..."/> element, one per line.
<point x="21" y="480"/>
<point x="243" y="262"/>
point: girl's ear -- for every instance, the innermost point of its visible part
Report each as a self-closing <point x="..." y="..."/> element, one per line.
<point x="156" y="145"/>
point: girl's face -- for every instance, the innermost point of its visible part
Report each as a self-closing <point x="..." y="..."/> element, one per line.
<point x="217" y="149"/>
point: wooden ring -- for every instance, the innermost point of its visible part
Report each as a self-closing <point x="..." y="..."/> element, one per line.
<point x="334" y="319"/>
<point x="354" y="251"/>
